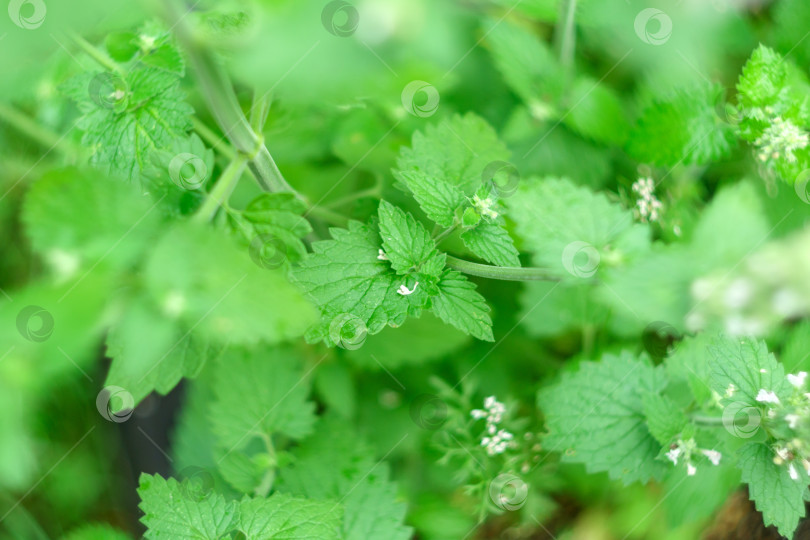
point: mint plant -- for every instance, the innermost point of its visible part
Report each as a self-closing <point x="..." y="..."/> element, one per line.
<point x="393" y="270"/>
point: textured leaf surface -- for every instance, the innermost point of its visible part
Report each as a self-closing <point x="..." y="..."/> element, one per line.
<point x="459" y="304"/>
<point x="491" y="241"/>
<point x="150" y="113"/>
<point x="446" y="163"/>
<point x="260" y="392"/>
<point x="335" y="464"/>
<point x="684" y="128"/>
<point x="344" y="277"/>
<point x="596" y="417"/>
<point x="170" y="513"/>
<point x="777" y="496"/>
<point x="407" y="243"/>
<point x="747" y="364"/>
<point x="282" y="517"/>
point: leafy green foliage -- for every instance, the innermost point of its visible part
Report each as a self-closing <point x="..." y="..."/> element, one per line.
<point x="777" y="496"/>
<point x="262" y="395"/>
<point x="179" y="511"/>
<point x="596" y="417"/>
<point x="747" y="365"/>
<point x="684" y="128"/>
<point x="336" y="465"/>
<point x="202" y="279"/>
<point x="446" y="163"/>
<point x="380" y="278"/>
<point x="125" y="117"/>
<point x="274" y="216"/>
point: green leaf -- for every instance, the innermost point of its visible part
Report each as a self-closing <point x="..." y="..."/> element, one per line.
<point x="142" y="365"/>
<point x="553" y="216"/>
<point x="76" y="218"/>
<point x="345" y="278"/>
<point x="259" y="392"/>
<point x="447" y="162"/>
<point x="336" y="388"/>
<point x="664" y="419"/>
<point x="416" y="342"/>
<point x="439" y="200"/>
<point x="278" y="216"/>
<point x="459" y="304"/>
<point x="746" y="364"/>
<point x="596" y="112"/>
<point x="490" y="241"/>
<point x="406" y="242"/>
<point x="777" y="496"/>
<point x="549" y="309"/>
<point x="795" y="355"/>
<point x="170" y="513"/>
<point x="336" y="464"/>
<point x="528" y="66"/>
<point x="96" y="532"/>
<point x="683" y="128"/>
<point x="197" y="275"/>
<point x="282" y="517"/>
<point x="596" y="417"/>
<point x="125" y="118"/>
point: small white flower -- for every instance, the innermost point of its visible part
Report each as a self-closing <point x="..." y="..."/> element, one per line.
<point x="484" y="206"/>
<point x="806" y="464"/>
<point x="798" y="379"/>
<point x="782" y="455"/>
<point x="381" y="256"/>
<point x="690" y="469"/>
<point x="673" y="454"/>
<point x="792" y="420"/>
<point x="730" y="390"/>
<point x="713" y="455"/>
<point x="647" y="203"/>
<point x="794" y="474"/>
<point x="763" y="370"/>
<point x="478" y="414"/>
<point x="767" y="396"/>
<point x="405" y="291"/>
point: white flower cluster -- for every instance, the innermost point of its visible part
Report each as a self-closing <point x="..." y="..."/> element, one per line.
<point x="647" y="204"/>
<point x="684" y="450"/>
<point x="794" y="448"/>
<point x="484" y="206"/>
<point x="496" y="440"/>
<point x="781" y="138"/>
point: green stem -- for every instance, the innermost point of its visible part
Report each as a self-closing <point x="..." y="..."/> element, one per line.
<point x="22" y="123"/>
<point x="508" y="273"/>
<point x="565" y="35"/>
<point x="259" y="111"/>
<point x="327" y="215"/>
<point x="370" y="192"/>
<point x="447" y="232"/>
<point x="711" y="421"/>
<point x="216" y="142"/>
<point x="222" y="190"/>
<point x="218" y="92"/>
<point x="96" y="54"/>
